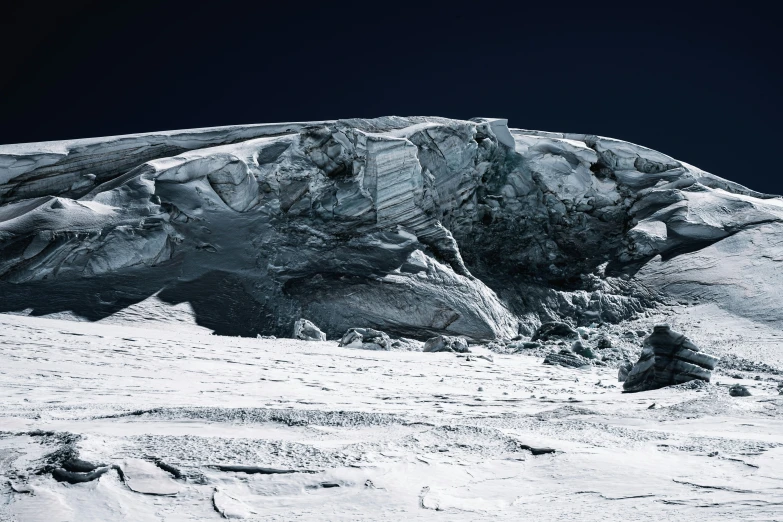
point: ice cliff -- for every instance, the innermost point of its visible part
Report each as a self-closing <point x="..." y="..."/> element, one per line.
<point x="413" y="226"/>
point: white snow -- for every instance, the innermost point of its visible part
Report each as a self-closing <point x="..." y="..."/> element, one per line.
<point x="145" y="477"/>
<point x="374" y="435"/>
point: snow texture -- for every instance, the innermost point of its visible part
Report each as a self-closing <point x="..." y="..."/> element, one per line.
<point x="285" y="429"/>
<point x="171" y="302"/>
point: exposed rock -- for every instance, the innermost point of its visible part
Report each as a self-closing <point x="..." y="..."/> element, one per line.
<point x="668" y="358"/>
<point x="367" y="339"/>
<point x="566" y="358"/>
<point x="553" y="331"/>
<point x="307" y="331"/>
<point x="738" y="390"/>
<point x="445" y="343"/>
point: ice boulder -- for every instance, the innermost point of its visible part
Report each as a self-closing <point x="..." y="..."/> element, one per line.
<point x="554" y="331"/>
<point x="668" y="358"/>
<point x="366" y="338"/>
<point x="446" y="343"/>
<point x="567" y="358"/>
<point x="304" y="330"/>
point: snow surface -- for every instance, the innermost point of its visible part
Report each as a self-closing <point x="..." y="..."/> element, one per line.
<point x="368" y="435"/>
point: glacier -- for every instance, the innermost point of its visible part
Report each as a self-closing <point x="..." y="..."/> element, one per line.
<point x="415" y="226"/>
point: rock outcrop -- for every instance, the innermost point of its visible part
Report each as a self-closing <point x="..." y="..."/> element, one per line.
<point x="668" y="358"/>
<point x="413" y="226"/>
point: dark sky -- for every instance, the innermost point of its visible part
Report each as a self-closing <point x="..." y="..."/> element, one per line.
<point x="701" y="84"/>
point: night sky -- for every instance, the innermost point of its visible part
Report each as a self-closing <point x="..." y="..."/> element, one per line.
<point x="702" y="84"/>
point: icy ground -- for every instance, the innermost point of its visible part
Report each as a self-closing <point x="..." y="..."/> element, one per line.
<point x="376" y="435"/>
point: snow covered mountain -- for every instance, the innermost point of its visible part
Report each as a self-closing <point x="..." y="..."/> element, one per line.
<point x="414" y="226"/>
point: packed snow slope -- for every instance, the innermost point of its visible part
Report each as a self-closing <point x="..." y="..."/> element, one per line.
<point x="414" y="226"/>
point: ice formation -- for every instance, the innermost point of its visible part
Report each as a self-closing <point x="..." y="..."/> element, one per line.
<point x="416" y="227"/>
